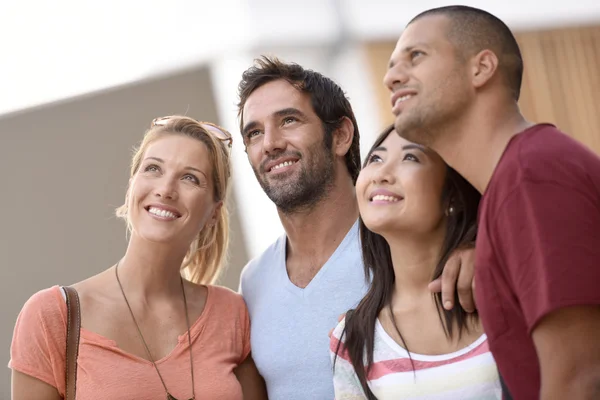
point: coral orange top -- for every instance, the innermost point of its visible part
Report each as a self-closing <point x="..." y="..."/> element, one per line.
<point x="220" y="342"/>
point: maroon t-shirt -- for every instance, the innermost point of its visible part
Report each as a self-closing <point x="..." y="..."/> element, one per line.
<point x="538" y="246"/>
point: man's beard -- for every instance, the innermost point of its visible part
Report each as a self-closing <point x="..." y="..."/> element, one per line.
<point x="313" y="182"/>
<point x="416" y="129"/>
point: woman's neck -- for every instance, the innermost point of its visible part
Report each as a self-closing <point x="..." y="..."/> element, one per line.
<point x="414" y="259"/>
<point x="151" y="270"/>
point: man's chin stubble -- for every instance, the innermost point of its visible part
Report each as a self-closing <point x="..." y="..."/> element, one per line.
<point x="414" y="131"/>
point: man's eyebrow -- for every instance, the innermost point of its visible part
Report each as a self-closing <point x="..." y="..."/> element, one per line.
<point x="408" y="49"/>
<point x="289" y="111"/>
<point x="284" y="112"/>
<point x="248" y="127"/>
<point x="420" y="45"/>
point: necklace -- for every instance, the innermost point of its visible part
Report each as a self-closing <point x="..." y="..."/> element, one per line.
<point x="187" y="320"/>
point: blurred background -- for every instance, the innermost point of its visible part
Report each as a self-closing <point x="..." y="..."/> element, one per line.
<point x="80" y="81"/>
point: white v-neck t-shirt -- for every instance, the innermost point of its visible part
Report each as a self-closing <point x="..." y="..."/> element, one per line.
<point x="290" y="325"/>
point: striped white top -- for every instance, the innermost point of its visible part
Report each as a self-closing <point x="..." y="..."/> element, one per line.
<point x="468" y="374"/>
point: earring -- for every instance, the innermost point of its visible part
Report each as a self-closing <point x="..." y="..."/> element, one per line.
<point x="449" y="211"/>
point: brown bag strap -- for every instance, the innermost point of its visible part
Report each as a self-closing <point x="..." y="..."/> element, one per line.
<point x="73" y="327"/>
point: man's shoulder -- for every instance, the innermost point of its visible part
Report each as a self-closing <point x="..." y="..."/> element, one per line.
<point x="544" y="154"/>
<point x="537" y="144"/>
<point x="544" y="150"/>
<point x="263" y="262"/>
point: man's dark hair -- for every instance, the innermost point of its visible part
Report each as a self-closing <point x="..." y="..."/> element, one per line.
<point x="328" y="100"/>
<point x="473" y="30"/>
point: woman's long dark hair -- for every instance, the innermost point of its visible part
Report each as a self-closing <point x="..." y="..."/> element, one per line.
<point x="461" y="229"/>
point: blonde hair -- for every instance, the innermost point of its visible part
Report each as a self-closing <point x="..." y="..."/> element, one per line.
<point x="203" y="261"/>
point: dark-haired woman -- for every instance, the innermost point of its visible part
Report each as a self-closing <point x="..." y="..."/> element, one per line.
<point x="399" y="342"/>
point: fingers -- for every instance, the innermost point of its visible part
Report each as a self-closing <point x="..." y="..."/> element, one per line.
<point x="436" y="285"/>
<point x="458" y="276"/>
<point x="464" y="285"/>
<point x="449" y="280"/>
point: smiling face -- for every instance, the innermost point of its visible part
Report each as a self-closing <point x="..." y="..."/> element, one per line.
<point x="400" y="188"/>
<point x="171" y="196"/>
<point x="287" y="146"/>
<point x="428" y="81"/>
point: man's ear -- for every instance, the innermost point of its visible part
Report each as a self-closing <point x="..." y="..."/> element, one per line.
<point x="484" y="67"/>
<point x="343" y="137"/>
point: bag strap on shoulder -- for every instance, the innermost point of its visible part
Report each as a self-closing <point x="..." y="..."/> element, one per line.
<point x="73" y="328"/>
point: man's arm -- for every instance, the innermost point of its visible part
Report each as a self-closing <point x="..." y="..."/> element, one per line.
<point x="458" y="276"/>
<point x="548" y="235"/>
<point x="253" y="385"/>
<point x="568" y="347"/>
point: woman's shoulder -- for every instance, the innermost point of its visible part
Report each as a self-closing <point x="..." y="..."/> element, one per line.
<point x="339" y="329"/>
<point x="46" y="304"/>
<point x="226" y="295"/>
<point x="39" y="339"/>
<point x="225" y="301"/>
<point x="337" y="339"/>
<point x="228" y="311"/>
<point x="42" y="321"/>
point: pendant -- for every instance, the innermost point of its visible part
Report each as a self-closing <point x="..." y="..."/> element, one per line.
<point x="170" y="397"/>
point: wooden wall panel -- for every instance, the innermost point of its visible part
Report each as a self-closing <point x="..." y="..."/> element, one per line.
<point x="561" y="83"/>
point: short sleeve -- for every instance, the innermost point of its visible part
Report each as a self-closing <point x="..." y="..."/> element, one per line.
<point x="39" y="340"/>
<point x="548" y="237"/>
<point x="245" y="330"/>
<point x="345" y="381"/>
<point x="230" y="327"/>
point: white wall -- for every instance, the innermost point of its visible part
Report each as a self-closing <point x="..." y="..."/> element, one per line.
<point x="59" y="49"/>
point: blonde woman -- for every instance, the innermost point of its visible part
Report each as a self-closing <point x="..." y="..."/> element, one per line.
<point x="147" y="332"/>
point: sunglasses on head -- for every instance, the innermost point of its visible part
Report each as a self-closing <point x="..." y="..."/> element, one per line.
<point x="213" y="129"/>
